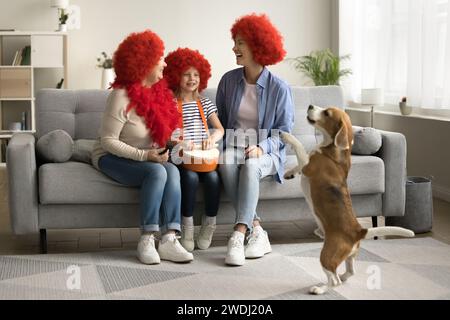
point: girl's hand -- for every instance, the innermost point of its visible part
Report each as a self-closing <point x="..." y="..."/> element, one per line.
<point x="207" y="144"/>
<point x="155" y="156"/>
<point x="253" y="152"/>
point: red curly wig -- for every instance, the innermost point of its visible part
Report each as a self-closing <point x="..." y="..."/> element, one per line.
<point x="136" y="56"/>
<point x="264" y="40"/>
<point x="179" y="61"/>
<point x="133" y="60"/>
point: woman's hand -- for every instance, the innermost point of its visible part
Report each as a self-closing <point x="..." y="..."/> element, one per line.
<point x="155" y="156"/>
<point x="253" y="152"/>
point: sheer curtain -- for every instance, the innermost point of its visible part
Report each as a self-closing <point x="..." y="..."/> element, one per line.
<point x="402" y="46"/>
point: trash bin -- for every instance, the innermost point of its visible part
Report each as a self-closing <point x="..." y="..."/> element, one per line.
<point x="419" y="206"/>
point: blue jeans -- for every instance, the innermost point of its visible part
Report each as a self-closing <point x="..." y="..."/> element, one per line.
<point x="160" y="189"/>
<point x="241" y="181"/>
<point x="189" y="185"/>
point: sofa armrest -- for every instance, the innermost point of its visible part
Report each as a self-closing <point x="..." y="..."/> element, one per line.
<point x="22" y="179"/>
<point x="393" y="153"/>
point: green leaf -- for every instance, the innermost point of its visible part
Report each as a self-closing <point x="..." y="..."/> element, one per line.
<point x="322" y="67"/>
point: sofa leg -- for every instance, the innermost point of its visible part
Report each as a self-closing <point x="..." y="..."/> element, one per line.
<point x="375" y="224"/>
<point x="43" y="240"/>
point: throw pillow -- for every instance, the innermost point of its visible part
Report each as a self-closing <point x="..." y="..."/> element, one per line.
<point x="367" y="141"/>
<point x="55" y="146"/>
<point x="82" y="150"/>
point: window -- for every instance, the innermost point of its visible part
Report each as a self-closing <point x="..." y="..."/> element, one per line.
<point x="402" y="46"/>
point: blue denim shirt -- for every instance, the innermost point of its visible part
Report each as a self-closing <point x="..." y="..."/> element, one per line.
<point x="275" y="109"/>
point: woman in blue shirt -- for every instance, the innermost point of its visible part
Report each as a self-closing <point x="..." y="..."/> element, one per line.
<point x="254" y="105"/>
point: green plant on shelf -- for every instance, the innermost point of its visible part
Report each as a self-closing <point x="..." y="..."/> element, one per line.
<point x="63" y="16"/>
<point x="104" y="61"/>
<point x="323" y="67"/>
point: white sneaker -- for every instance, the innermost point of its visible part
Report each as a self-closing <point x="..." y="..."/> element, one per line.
<point x="205" y="236"/>
<point x="172" y="250"/>
<point x="146" y="251"/>
<point x="187" y="237"/>
<point x="235" y="252"/>
<point x="258" y="244"/>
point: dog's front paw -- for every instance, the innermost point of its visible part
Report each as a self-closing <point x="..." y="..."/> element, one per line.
<point x="289" y="175"/>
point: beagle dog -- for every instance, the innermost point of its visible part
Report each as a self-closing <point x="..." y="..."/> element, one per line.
<point x="324" y="184"/>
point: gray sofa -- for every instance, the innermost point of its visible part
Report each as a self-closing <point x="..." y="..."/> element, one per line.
<point x="74" y="195"/>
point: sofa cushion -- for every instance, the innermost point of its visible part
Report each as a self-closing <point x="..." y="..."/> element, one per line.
<point x="82" y="150"/>
<point x="367" y="141"/>
<point x="80" y="183"/>
<point x="55" y="146"/>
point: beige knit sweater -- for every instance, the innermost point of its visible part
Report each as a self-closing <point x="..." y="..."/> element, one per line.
<point x="122" y="134"/>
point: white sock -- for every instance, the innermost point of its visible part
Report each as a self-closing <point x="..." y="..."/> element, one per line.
<point x="238" y="235"/>
<point x="257" y="229"/>
<point x="167" y="237"/>
<point x="188" y="221"/>
<point x="209" y="221"/>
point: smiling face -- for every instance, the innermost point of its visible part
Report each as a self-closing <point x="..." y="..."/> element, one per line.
<point x="190" y="81"/>
<point x="241" y="49"/>
<point x="156" y="74"/>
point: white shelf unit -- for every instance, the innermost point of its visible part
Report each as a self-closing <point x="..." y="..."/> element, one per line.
<point x="19" y="84"/>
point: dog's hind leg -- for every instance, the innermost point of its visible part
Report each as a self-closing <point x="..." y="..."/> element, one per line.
<point x="333" y="281"/>
<point x="349" y="268"/>
<point x="331" y="257"/>
<point x="350" y="263"/>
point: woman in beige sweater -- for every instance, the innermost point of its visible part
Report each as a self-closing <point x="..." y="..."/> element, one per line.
<point x="139" y="118"/>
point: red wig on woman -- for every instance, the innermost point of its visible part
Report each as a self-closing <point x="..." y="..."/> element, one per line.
<point x="179" y="61"/>
<point x="264" y="40"/>
<point x="133" y="60"/>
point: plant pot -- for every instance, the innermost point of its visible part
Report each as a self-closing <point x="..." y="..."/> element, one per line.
<point x="107" y="78"/>
<point x="404" y="109"/>
<point x="62" y="28"/>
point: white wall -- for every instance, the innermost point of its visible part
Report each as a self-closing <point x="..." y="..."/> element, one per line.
<point x="198" y="24"/>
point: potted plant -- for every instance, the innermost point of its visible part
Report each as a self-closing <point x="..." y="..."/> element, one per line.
<point x="322" y="67"/>
<point x="63" y="16"/>
<point x="106" y="63"/>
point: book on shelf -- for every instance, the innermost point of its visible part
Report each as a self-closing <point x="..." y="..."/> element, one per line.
<point x="24" y="125"/>
<point x="22" y="57"/>
<point x="26" y="56"/>
<point x="17" y="58"/>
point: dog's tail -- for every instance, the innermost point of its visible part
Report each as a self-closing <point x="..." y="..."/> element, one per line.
<point x="388" y="231"/>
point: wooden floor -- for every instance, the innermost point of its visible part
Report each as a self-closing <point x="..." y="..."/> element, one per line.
<point x="86" y="240"/>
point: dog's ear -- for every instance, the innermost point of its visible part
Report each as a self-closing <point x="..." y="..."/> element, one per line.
<point x="341" y="139"/>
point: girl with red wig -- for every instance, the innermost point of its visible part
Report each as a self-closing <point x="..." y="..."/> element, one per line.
<point x="254" y="102"/>
<point x="187" y="74"/>
<point x="138" y="121"/>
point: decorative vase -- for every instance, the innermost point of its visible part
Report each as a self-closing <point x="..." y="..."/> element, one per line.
<point x="107" y="78"/>
<point x="404" y="109"/>
<point x="62" y="28"/>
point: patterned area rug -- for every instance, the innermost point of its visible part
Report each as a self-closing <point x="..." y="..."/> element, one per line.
<point x="385" y="269"/>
